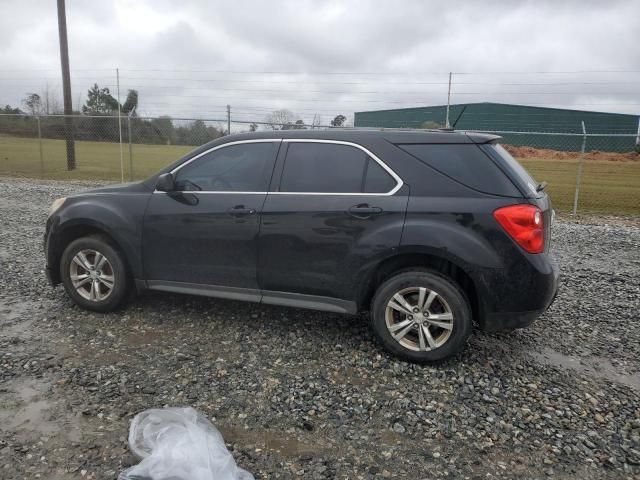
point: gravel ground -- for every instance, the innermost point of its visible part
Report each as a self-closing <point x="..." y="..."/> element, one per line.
<point x="302" y="394"/>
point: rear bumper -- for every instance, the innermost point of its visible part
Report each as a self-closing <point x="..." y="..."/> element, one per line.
<point x="535" y="291"/>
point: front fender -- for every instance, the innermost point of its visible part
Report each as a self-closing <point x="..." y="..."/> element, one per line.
<point x="118" y="216"/>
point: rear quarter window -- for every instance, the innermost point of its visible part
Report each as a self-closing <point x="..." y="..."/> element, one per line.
<point x="527" y="183"/>
<point x="466" y="164"/>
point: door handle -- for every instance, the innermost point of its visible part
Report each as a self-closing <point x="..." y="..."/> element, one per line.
<point x="363" y="210"/>
<point x="240" y="211"/>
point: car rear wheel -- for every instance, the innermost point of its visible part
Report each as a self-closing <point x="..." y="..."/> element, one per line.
<point x="421" y="316"/>
<point x="94" y="274"/>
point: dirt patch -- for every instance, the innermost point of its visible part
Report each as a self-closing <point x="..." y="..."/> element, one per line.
<point x="286" y="444"/>
<point x="548" y="154"/>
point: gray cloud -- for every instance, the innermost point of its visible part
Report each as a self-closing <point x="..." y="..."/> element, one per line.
<point x="181" y="55"/>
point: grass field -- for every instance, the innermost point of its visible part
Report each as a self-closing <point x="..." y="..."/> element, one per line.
<point x="607" y="186"/>
<point x="94" y="160"/>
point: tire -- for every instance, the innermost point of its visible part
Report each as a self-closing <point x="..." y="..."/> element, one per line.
<point x="112" y="271"/>
<point x="448" y="300"/>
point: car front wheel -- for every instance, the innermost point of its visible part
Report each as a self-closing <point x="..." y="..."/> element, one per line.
<point x="421" y="316"/>
<point x="94" y="273"/>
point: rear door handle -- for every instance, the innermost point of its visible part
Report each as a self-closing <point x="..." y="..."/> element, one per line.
<point x="363" y="210"/>
<point x="240" y="211"/>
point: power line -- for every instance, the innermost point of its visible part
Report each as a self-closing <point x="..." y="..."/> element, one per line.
<point x="379" y="92"/>
<point x="285" y="72"/>
<point x="547" y="72"/>
<point x="342" y="101"/>
<point x="373" y="73"/>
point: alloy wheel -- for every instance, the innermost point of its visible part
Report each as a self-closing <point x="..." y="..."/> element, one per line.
<point x="419" y="319"/>
<point x="92" y="275"/>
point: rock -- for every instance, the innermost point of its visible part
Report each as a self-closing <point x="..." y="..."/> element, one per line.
<point x="399" y="428"/>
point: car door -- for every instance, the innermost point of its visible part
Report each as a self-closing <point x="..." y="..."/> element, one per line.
<point x="335" y="211"/>
<point x="206" y="231"/>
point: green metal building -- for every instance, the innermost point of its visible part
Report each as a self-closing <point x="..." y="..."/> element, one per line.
<point x="501" y="117"/>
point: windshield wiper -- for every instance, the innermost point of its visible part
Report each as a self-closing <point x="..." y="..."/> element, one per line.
<point x="541" y="186"/>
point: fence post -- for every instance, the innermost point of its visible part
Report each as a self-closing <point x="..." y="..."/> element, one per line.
<point x="446" y="120"/>
<point x="580" y="165"/>
<point x="120" y="125"/>
<point x="130" y="149"/>
<point x="40" y="145"/>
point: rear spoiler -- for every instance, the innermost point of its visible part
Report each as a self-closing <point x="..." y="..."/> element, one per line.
<point x="483" y="138"/>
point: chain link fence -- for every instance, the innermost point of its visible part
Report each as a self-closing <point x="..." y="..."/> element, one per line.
<point x="587" y="173"/>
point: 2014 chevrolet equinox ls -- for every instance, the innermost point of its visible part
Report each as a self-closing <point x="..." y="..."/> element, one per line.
<point x="426" y="230"/>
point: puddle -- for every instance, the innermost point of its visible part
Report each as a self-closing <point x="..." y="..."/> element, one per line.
<point x="13" y="319"/>
<point x="594" y="366"/>
<point x="24" y="409"/>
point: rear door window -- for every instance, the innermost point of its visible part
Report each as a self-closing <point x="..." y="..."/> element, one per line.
<point x="312" y="167"/>
<point x="466" y="164"/>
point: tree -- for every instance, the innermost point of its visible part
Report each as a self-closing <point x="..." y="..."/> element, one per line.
<point x="158" y="130"/>
<point x="299" y="125"/>
<point x="338" y="121"/>
<point x="33" y="102"/>
<point x="198" y="134"/>
<point x="131" y="103"/>
<point x="10" y="109"/>
<point x="280" y="119"/>
<point x="253" y="127"/>
<point x="50" y="101"/>
<point x="99" y="101"/>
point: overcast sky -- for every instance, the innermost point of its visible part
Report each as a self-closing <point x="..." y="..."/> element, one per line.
<point x="328" y="57"/>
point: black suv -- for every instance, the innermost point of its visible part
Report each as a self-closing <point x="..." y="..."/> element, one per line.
<point x="426" y="230"/>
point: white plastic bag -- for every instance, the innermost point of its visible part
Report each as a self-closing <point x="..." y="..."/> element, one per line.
<point x="179" y="444"/>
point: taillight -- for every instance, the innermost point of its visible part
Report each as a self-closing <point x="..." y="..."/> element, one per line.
<point x="524" y="224"/>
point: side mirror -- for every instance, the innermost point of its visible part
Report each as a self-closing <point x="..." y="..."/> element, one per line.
<point x="165" y="183"/>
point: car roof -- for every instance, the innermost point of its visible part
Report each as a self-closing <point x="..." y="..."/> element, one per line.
<point x="361" y="135"/>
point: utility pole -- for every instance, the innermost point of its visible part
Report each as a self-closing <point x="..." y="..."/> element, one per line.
<point x="228" y="119"/>
<point x="66" y="86"/>
<point x="446" y="121"/>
